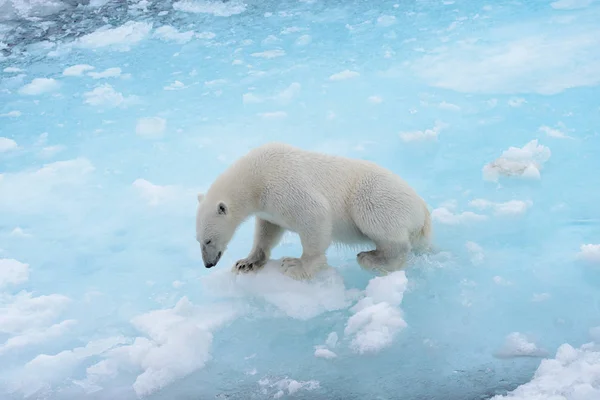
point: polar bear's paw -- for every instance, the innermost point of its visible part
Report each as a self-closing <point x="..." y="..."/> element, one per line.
<point x="299" y="269"/>
<point x="249" y="264"/>
<point x="375" y="261"/>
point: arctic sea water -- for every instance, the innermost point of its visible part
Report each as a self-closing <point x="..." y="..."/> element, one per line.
<point x="115" y="114"/>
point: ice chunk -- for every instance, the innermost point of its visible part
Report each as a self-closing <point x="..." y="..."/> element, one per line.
<point x="512" y="207"/>
<point x="7" y="145"/>
<point x="12" y="272"/>
<point x="377" y="317"/>
<point x="525" y="162"/>
<point x="427" y="134"/>
<point x="23" y="312"/>
<point x="297" y="299"/>
<point x="77" y="70"/>
<point x="13" y="114"/>
<point x="447" y="217"/>
<point x="120" y="38"/>
<point x="36" y="336"/>
<point x="589" y="253"/>
<point x="106" y="96"/>
<point x="107" y="73"/>
<point x="169" y="33"/>
<point x="573" y="374"/>
<point x="39" y="86"/>
<point x="268" y="54"/>
<point x="216" y="8"/>
<point x="151" y="127"/>
<point x="517" y="345"/>
<point x="344" y="75"/>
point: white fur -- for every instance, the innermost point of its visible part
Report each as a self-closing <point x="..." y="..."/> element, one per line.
<point x="325" y="199"/>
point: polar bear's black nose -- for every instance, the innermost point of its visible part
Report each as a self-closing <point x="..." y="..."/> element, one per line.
<point x="209" y="265"/>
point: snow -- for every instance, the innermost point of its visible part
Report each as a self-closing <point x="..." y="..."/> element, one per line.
<point x="344" y="75"/>
<point x="39" y="86"/>
<point x="115" y="115"/>
<point x="151" y="127"/>
<point x="12" y="272"/>
<point x="589" y="253"/>
<point x="77" y="70"/>
<point x="7" y="145"/>
<point x="525" y="162"/>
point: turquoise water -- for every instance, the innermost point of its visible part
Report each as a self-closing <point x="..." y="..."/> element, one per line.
<point x="114" y="115"/>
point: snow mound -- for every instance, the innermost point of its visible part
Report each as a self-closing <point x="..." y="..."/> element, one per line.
<point x="525" y="162"/>
<point x="518" y="345"/>
<point x="589" y="253"/>
<point x="377" y="317"/>
<point x="574" y="374"/>
<point x="297" y="299"/>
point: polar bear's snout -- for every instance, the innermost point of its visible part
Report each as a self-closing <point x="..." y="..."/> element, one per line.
<point x="209" y="257"/>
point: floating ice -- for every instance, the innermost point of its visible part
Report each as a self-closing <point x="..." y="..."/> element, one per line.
<point x="171" y="34"/>
<point x="107" y="73"/>
<point x="106" y="96"/>
<point x="77" y="70"/>
<point x="517" y="345"/>
<point x="120" y="38"/>
<point x="12" y="272"/>
<point x="216" y="8"/>
<point x="512" y="207"/>
<point x="445" y="216"/>
<point x="590" y="253"/>
<point x="151" y="127"/>
<point x="525" y="162"/>
<point x="7" y="145"/>
<point x="572" y="374"/>
<point x="39" y="86"/>
<point x="344" y="75"/>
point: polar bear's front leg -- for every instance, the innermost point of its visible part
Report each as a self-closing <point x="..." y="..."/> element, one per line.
<point x="315" y="238"/>
<point x="266" y="236"/>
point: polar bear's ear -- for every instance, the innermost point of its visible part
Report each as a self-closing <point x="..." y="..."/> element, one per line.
<point x="200" y="197"/>
<point x="222" y="208"/>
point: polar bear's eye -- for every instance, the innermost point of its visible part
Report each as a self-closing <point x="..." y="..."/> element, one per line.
<point x="207" y="241"/>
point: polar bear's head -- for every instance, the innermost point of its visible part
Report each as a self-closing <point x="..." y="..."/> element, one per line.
<point x="214" y="229"/>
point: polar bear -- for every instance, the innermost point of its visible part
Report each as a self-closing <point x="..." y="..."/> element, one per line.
<point x="323" y="198"/>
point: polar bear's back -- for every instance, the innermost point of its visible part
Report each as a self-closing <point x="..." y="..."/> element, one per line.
<point x="353" y="189"/>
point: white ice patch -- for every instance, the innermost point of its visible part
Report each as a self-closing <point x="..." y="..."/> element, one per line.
<point x="23" y="312"/>
<point x="273" y="115"/>
<point x="572" y="375"/>
<point x="553" y="132"/>
<point x="297" y="299"/>
<point x="512" y="207"/>
<point x="77" y="70"/>
<point x="12" y="70"/>
<point x="178" y="343"/>
<point x="51" y="151"/>
<point x="169" y="33"/>
<point x="106" y="96"/>
<point x="303" y="40"/>
<point x="476" y="252"/>
<point x="7" y="145"/>
<point x="12" y="272"/>
<point x="589" y="253"/>
<point x="570" y="4"/>
<point x="45" y="370"/>
<point x="216" y="8"/>
<point x="268" y="54"/>
<point x="155" y="195"/>
<point x="107" y="73"/>
<point x="151" y="127"/>
<point x="18" y="232"/>
<point x="120" y="38"/>
<point x="518" y="345"/>
<point x="321" y="352"/>
<point x="290" y="385"/>
<point x="525" y="162"/>
<point x="511" y="62"/>
<point x="344" y="75"/>
<point x="36" y="336"/>
<point x="445" y="216"/>
<point x="27" y="190"/>
<point x="418" y="136"/>
<point x="39" y="86"/>
<point x="11" y="114"/>
<point x="377" y="317"/>
<point x="375" y="99"/>
<point x="386" y="20"/>
<point x="177" y="85"/>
